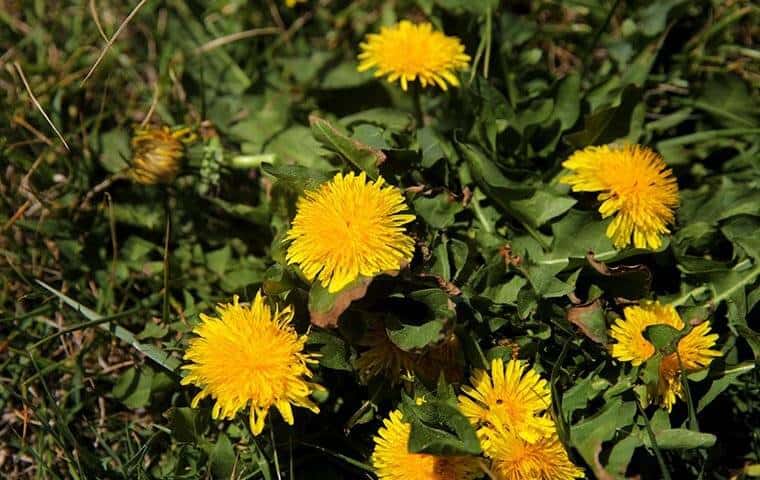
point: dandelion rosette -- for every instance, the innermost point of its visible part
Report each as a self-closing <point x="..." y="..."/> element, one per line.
<point x="250" y="355"/>
<point x="393" y="461"/>
<point x="513" y="396"/>
<point x="348" y="228"/>
<point x="635" y="186"/>
<point x="409" y="52"/>
<point x="693" y="351"/>
<point x="157" y="154"/>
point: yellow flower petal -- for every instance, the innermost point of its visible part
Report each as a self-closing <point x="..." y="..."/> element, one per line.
<point x="514" y="458"/>
<point x="347" y="228"/>
<point x="694" y="349"/>
<point x="515" y="397"/>
<point x="250" y="356"/>
<point x="410" y="52"/>
<point x="636" y="186"/>
<point x="393" y="461"/>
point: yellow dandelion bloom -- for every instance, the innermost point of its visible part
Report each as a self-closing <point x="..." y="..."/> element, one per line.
<point x="157" y="154"/>
<point x="693" y="350"/>
<point x="250" y="354"/>
<point x="385" y="358"/>
<point x="513" y="458"/>
<point x="349" y="228"/>
<point x="410" y="52"/>
<point x="631" y="344"/>
<point x="635" y="185"/>
<point x="694" y="353"/>
<point x="393" y="461"/>
<point x="292" y="3"/>
<point x="515" y="397"/>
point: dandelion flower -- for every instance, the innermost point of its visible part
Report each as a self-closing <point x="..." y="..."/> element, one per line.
<point x="250" y="354"/>
<point x="385" y="358"/>
<point x="634" y="184"/>
<point x="513" y="458"/>
<point x="694" y="353"/>
<point x="410" y="52"/>
<point x="157" y="154"/>
<point x="292" y="3"/>
<point x="515" y="397"/>
<point x="393" y="461"/>
<point x="693" y="350"/>
<point x="348" y="228"/>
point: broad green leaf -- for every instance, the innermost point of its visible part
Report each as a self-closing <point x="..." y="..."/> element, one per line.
<point x="188" y="424"/>
<point x="663" y="337"/>
<point x="607" y="124"/>
<point x="438" y="211"/>
<point x="115" y="152"/>
<point x="222" y="457"/>
<point x="683" y="439"/>
<point x="410" y="337"/>
<point x="335" y="353"/>
<point x="134" y="387"/>
<point x="589" y="434"/>
<point x="297" y="177"/>
<point x="361" y="156"/>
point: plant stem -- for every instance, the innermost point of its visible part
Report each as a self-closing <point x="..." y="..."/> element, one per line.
<point x="417" y="100"/>
<point x="598" y="34"/>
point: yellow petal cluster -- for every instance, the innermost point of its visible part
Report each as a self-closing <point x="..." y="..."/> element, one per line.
<point x="250" y="356"/>
<point x="513" y="396"/>
<point x="514" y="458"/>
<point x="635" y="186"/>
<point x="509" y="409"/>
<point x="393" y="461"/>
<point x="410" y="52"/>
<point x="693" y="352"/>
<point x="347" y="228"/>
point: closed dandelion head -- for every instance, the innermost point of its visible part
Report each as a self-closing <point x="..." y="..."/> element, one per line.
<point x="348" y="228"/>
<point x="250" y="356"/>
<point x="409" y="52"/>
<point x="393" y="461"/>
<point x="157" y="154"/>
<point x="513" y="396"/>
<point x="514" y="458"/>
<point x="635" y="186"/>
<point x="694" y="350"/>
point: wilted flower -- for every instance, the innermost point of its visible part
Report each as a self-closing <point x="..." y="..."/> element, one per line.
<point x="383" y="357"/>
<point x="157" y="154"/>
